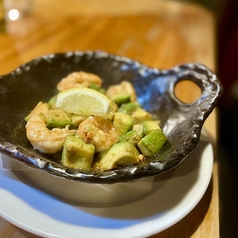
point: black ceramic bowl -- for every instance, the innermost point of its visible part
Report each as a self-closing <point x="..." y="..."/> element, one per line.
<point x="36" y="81"/>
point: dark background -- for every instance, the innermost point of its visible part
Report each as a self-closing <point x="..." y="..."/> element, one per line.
<point x="226" y="15"/>
<point x="227" y="71"/>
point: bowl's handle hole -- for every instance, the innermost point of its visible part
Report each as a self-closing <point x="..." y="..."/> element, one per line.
<point x="187" y="91"/>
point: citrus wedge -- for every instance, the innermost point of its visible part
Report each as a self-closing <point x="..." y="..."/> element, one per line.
<point x="84" y="101"/>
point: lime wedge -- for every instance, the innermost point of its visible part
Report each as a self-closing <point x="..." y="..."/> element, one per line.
<point x="84" y="101"/>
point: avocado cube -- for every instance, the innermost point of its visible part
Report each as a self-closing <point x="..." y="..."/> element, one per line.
<point x="77" y="154"/>
<point x="152" y="143"/>
<point x="120" y="154"/>
<point x="140" y="115"/>
<point x="129" y="107"/>
<point x="52" y="102"/>
<point x="149" y="126"/>
<point x="97" y="88"/>
<point x="132" y="137"/>
<point x="139" y="128"/>
<point x="121" y="98"/>
<point x="77" y="119"/>
<point x="121" y="93"/>
<point x="122" y="122"/>
<point x="57" y="119"/>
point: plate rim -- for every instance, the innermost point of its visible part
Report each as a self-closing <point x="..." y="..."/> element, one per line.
<point x="151" y="221"/>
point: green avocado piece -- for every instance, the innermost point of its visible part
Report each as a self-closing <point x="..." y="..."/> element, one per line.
<point x="152" y="143"/>
<point x="52" y="102"/>
<point x="139" y="128"/>
<point x="140" y="115"/>
<point x="121" y="98"/>
<point x="27" y="117"/>
<point x="129" y="108"/>
<point x="149" y="126"/>
<point x="77" y="154"/>
<point x="57" y="119"/>
<point x="97" y="87"/>
<point x="122" y="122"/>
<point x="132" y="137"/>
<point x="120" y="154"/>
<point x="77" y="119"/>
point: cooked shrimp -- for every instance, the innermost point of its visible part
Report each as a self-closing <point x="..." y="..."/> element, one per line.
<point x="98" y="131"/>
<point x="123" y="87"/>
<point x="78" y="79"/>
<point x="45" y="140"/>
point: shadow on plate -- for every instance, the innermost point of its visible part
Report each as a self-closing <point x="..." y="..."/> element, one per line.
<point x="160" y="201"/>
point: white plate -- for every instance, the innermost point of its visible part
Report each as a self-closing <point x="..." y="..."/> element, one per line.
<point x="174" y="195"/>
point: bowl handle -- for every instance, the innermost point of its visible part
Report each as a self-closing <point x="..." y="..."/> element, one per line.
<point x="211" y="88"/>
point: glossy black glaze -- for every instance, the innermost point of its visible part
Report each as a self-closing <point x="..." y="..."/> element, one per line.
<point x="36" y="81"/>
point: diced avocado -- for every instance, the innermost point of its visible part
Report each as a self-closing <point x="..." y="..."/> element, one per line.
<point x="57" y="118"/>
<point x="129" y="107"/>
<point x="140" y="115"/>
<point x="97" y="87"/>
<point x="149" y="126"/>
<point x="52" y="102"/>
<point x="77" y="119"/>
<point x="120" y="93"/>
<point x="122" y="122"/>
<point x="139" y="128"/>
<point x="33" y="112"/>
<point x="121" y="98"/>
<point x="152" y="143"/>
<point x="132" y="137"/>
<point x="77" y="154"/>
<point x="27" y="117"/>
<point x="120" y="154"/>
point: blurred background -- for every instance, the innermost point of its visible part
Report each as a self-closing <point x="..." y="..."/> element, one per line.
<point x="226" y="15"/>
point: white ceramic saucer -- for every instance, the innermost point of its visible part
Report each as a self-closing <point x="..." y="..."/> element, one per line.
<point x="173" y="196"/>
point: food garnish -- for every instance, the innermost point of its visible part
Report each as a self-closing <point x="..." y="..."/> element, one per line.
<point x="93" y="128"/>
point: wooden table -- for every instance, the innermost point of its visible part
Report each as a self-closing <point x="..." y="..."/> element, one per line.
<point x="158" y="33"/>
